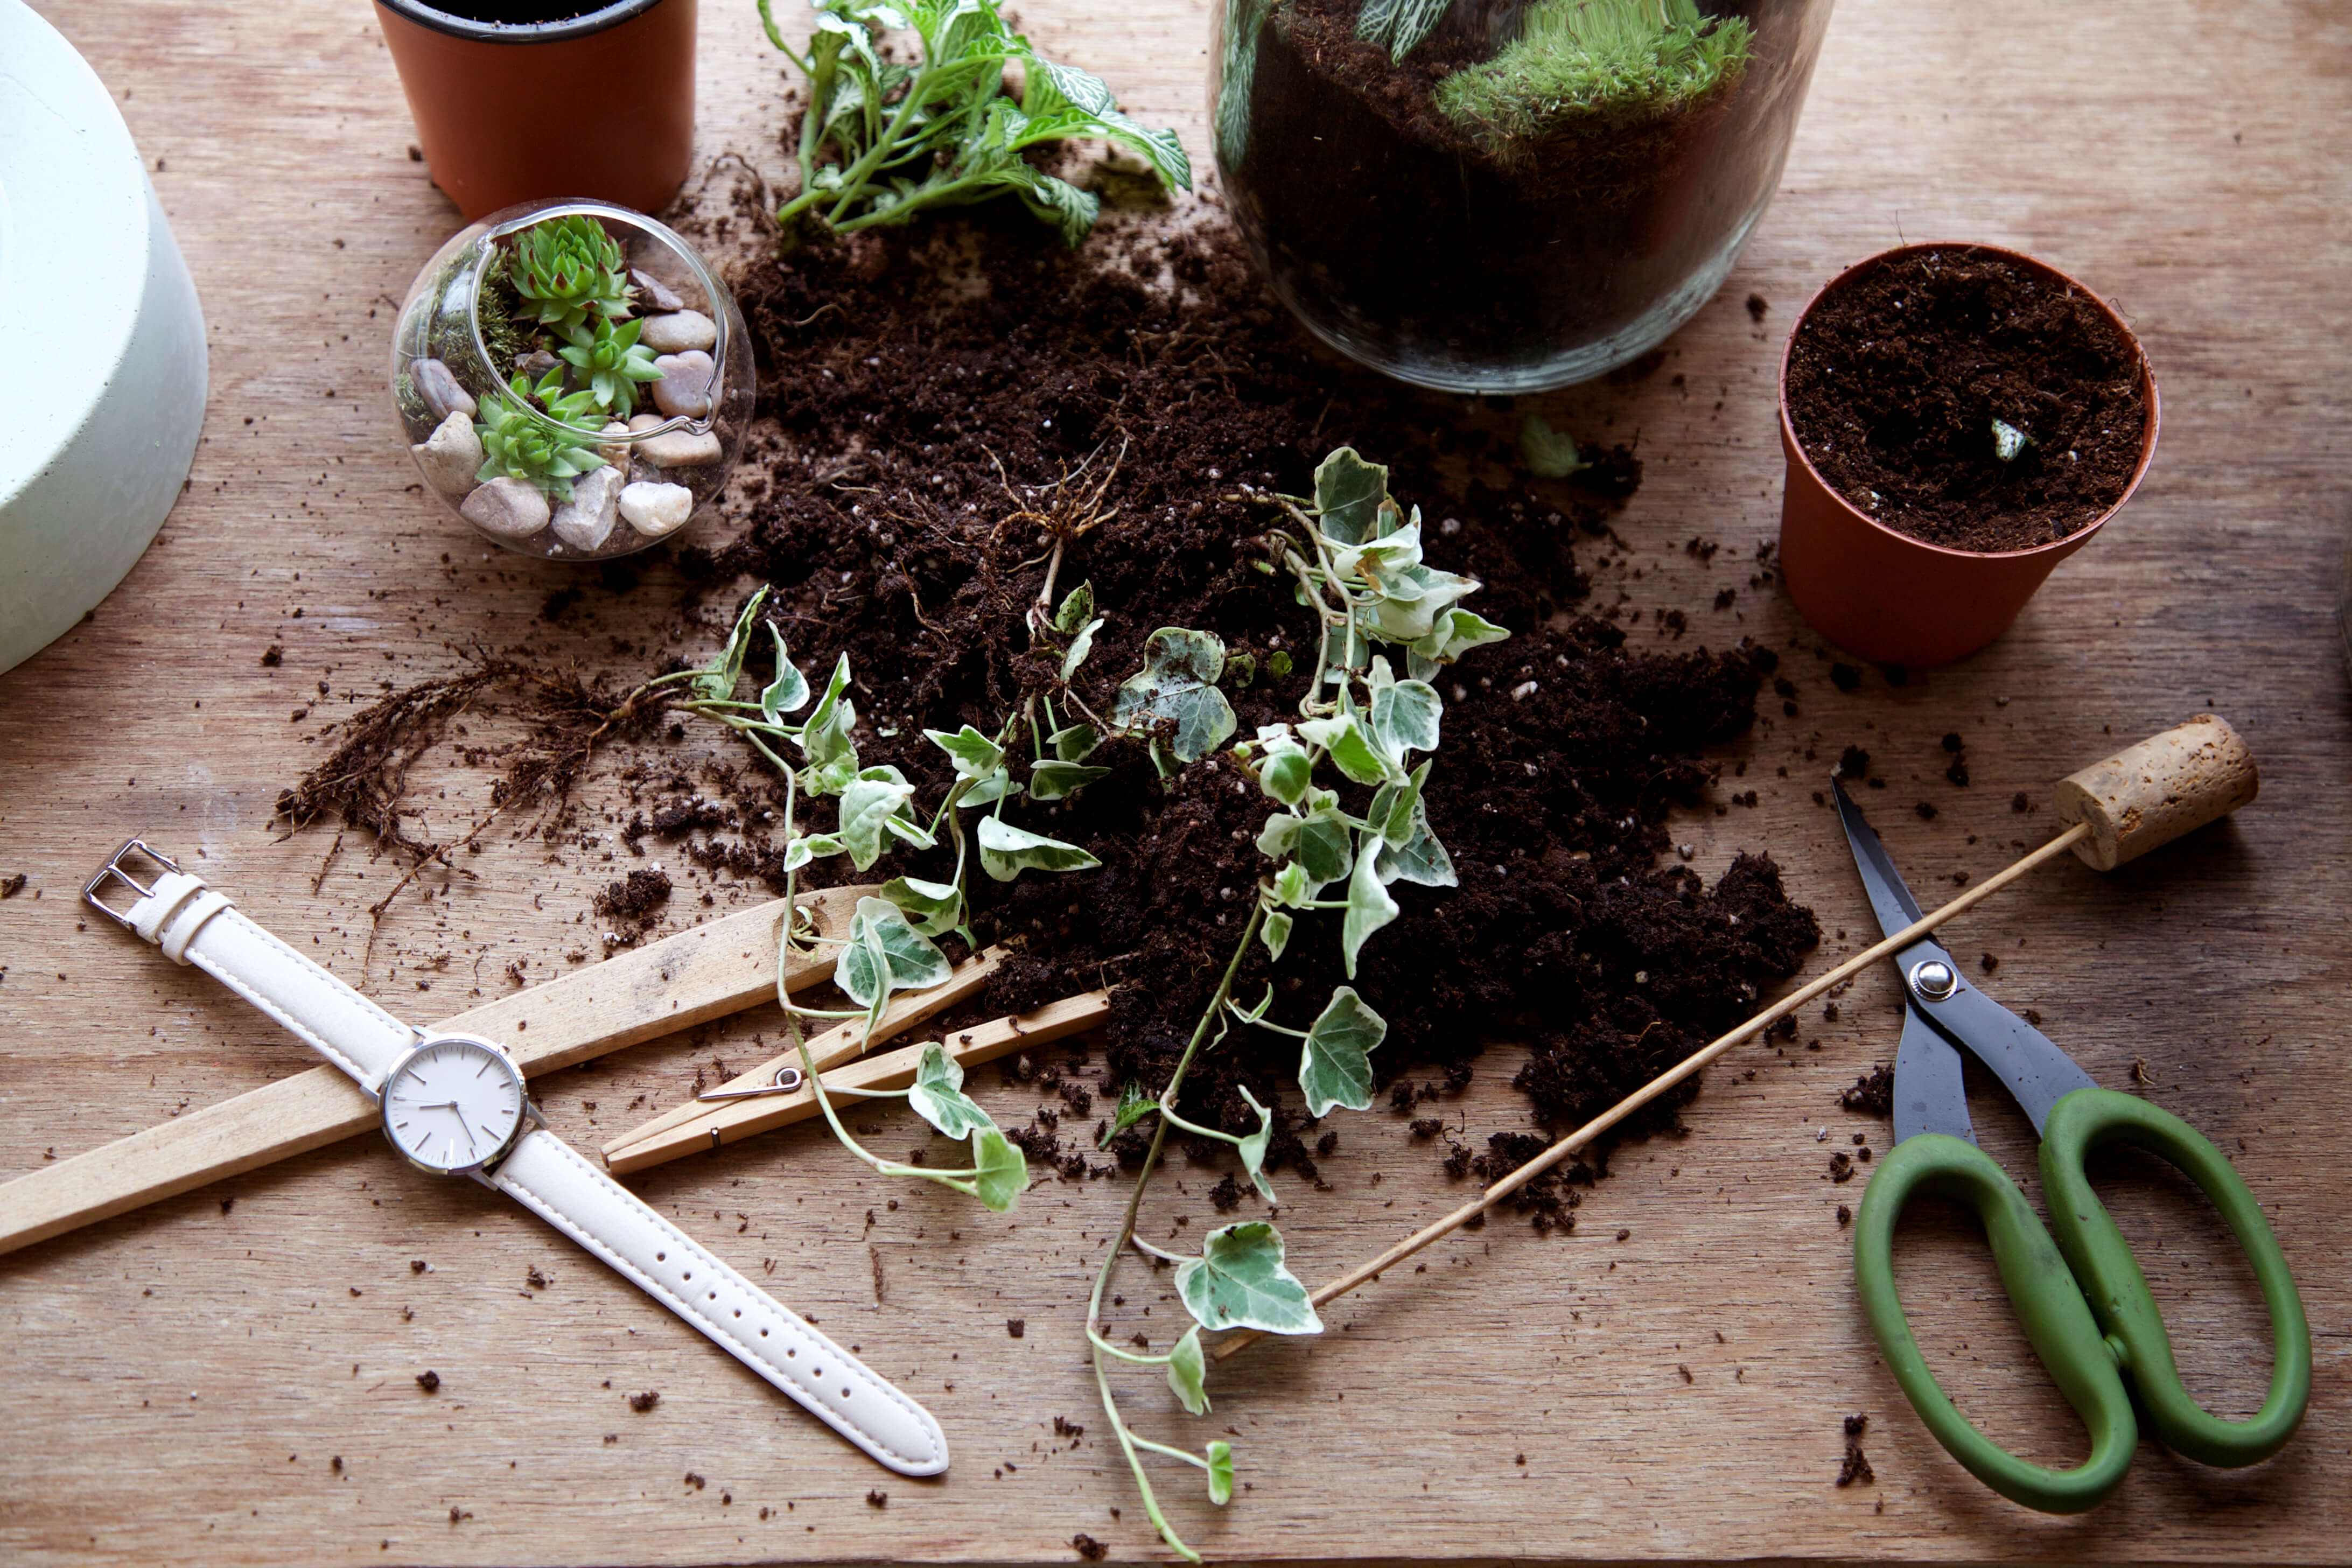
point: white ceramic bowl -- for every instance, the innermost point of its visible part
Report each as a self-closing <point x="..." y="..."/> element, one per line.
<point x="103" y="336"/>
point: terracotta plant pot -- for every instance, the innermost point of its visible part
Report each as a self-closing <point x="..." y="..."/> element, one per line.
<point x="599" y="105"/>
<point x="1889" y="597"/>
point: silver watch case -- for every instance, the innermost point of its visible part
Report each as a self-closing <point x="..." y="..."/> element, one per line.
<point x="480" y="1169"/>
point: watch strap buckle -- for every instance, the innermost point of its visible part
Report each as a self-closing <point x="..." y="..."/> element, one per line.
<point x="118" y="868"/>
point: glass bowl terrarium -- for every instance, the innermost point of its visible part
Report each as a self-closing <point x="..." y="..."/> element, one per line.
<point x="573" y="379"/>
<point x="1504" y="195"/>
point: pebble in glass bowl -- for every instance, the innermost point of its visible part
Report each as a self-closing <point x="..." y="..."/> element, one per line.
<point x="573" y="379"/>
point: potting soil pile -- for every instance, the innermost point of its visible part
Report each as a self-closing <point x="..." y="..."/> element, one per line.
<point x="930" y="394"/>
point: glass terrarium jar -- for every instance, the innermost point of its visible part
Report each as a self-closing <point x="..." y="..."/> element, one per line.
<point x="1504" y="195"/>
<point x="572" y="379"/>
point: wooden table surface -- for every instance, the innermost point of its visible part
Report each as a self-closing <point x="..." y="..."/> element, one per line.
<point x="230" y="1377"/>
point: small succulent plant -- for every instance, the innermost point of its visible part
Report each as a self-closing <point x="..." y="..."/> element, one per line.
<point x="568" y="268"/>
<point x="612" y="363"/>
<point x="518" y="447"/>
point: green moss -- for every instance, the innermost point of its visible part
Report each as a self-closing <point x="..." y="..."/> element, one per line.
<point x="1591" y="64"/>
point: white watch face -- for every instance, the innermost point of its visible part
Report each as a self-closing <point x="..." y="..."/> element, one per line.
<point x="454" y="1104"/>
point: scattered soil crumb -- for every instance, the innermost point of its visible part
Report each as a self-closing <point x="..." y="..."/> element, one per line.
<point x="1873" y="1093"/>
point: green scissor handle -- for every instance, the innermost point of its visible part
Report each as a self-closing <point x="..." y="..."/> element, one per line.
<point x="2102" y="1261"/>
<point x="2050" y="1306"/>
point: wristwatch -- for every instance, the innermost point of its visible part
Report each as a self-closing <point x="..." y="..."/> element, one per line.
<point x="456" y="1105"/>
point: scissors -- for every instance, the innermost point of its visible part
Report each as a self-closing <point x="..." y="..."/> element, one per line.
<point x="2082" y="1301"/>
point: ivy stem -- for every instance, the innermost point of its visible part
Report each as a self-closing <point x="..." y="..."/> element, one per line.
<point x="1128" y="1441"/>
<point x="1108" y="1348"/>
<point x="1150" y="1251"/>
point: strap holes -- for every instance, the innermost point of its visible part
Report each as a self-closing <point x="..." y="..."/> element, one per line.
<point x="738" y="1311"/>
<point x="763" y="1333"/>
<point x="661" y="1258"/>
<point x="690" y="1274"/>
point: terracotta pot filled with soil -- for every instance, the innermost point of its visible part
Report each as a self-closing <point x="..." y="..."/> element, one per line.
<point x="1957" y="419"/>
<point x="1504" y="195"/>
<point x="518" y="101"/>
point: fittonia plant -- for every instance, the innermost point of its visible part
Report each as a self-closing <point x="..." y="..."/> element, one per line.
<point x="1387" y="622"/>
<point x="881" y="141"/>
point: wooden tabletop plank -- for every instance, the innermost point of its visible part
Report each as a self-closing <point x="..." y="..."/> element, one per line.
<point x="184" y="1379"/>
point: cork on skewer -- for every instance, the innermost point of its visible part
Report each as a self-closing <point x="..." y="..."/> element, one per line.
<point x="2144" y="796"/>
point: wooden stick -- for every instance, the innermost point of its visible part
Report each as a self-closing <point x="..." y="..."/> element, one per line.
<point x="833" y="1047"/>
<point x="1583" y="1136"/>
<point x="689" y="978"/>
<point x="739" y="1119"/>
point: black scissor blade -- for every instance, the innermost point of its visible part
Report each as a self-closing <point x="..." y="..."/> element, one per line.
<point x="1890" y="899"/>
<point x="2036" y="1073"/>
<point x="1929" y="1096"/>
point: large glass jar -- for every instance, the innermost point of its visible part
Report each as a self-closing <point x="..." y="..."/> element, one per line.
<point x="493" y="378"/>
<point x="1504" y="195"/>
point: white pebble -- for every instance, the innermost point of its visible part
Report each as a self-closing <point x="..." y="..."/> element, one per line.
<point x="451" y="455"/>
<point x="678" y="331"/>
<point x="507" y="508"/>
<point x="1523" y="690"/>
<point x="586" y="521"/>
<point x="680" y="449"/>
<point x="655" y="511"/>
<point x="685" y="385"/>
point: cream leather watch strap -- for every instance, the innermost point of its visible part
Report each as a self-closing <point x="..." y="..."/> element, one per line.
<point x="555" y="1182"/>
<point x="194" y="925"/>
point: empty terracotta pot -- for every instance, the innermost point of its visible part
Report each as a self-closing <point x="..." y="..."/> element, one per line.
<point x="1890" y="598"/>
<point x="599" y="105"/>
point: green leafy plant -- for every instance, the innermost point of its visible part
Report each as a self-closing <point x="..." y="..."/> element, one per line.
<point x="881" y="141"/>
<point x="1355" y="559"/>
<point x="519" y="444"/>
<point x="565" y="268"/>
<point x="1594" y="59"/>
<point x="1399" y="26"/>
<point x="612" y="360"/>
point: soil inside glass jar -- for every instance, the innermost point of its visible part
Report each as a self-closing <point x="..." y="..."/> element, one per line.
<point x="1416" y="236"/>
<point x="1896" y="381"/>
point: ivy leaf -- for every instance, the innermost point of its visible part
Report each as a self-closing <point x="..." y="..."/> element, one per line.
<point x="1080" y="645"/>
<point x="1279" y="836"/>
<point x="1357" y="753"/>
<point x="826" y="738"/>
<point x="974" y="754"/>
<point x="1134" y="1105"/>
<point x="1057" y="780"/>
<point x="1178" y="685"/>
<point x="935" y="908"/>
<point x="1325" y="852"/>
<point x="1187" y="1372"/>
<point x="1287" y="771"/>
<point x="999" y="1173"/>
<point x="1335" y="1068"/>
<point x="1548" y="454"/>
<point x="788" y="690"/>
<point x="883" y="953"/>
<point x="1076" y="608"/>
<point x="1275" y="932"/>
<point x="1368" y="909"/>
<point x="800" y="851"/>
<point x="1454" y="634"/>
<point x="1075" y="743"/>
<point x="1239" y="1282"/>
<point x="1347" y="495"/>
<point x="1004" y="849"/>
<point x="996" y="786"/>
<point x="1405" y="715"/>
<point x="937" y="1096"/>
<point x="872" y="798"/>
<point x="1252" y="1148"/>
<point x="716" y="683"/>
<point x="1220" y="1472"/>
<point x="1291" y="890"/>
<point x="1413" y="597"/>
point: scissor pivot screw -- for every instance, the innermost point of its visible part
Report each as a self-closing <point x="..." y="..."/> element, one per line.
<point x="1934" y="980"/>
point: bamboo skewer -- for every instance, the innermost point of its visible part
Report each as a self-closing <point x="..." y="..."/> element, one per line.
<point x="689" y="978"/>
<point x="833" y="1047"/>
<point x="735" y="1120"/>
<point x="1582" y="1137"/>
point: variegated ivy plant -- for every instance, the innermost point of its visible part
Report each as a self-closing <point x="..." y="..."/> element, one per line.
<point x="1386" y="623"/>
<point x="1355" y="559"/>
<point x="889" y="946"/>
